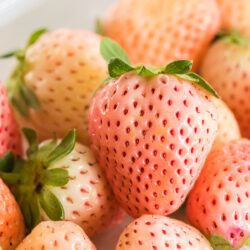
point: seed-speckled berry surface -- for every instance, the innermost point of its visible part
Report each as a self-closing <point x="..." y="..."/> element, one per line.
<point x="63" y="69"/>
<point x="157" y="32"/>
<point x="158" y="232"/>
<point x="226" y="67"/>
<point x="151" y="137"/>
<point x="220" y="200"/>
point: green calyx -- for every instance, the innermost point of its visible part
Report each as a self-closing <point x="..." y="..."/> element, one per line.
<point x="30" y="178"/>
<point x="234" y="37"/>
<point x="218" y="242"/>
<point x="119" y="64"/>
<point x="20" y="96"/>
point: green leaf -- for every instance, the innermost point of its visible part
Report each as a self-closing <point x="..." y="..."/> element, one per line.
<point x="46" y="149"/>
<point x="204" y="84"/>
<point x="233" y="36"/>
<point x="144" y="71"/>
<point x="219" y="243"/>
<point x="19" y="104"/>
<point x="51" y="205"/>
<point x="247" y="242"/>
<point x="64" y="148"/>
<point x="98" y="27"/>
<point x="178" y="67"/>
<point x="24" y="205"/>
<point x="34" y="211"/>
<point x="17" y="53"/>
<point x="118" y="67"/>
<point x="10" y="178"/>
<point x="102" y="83"/>
<point x="19" y="165"/>
<point x="7" y="162"/>
<point x="110" y="49"/>
<point x="35" y="36"/>
<point x="186" y="77"/>
<point x="32" y="138"/>
<point x="56" y="177"/>
<point x="29" y="97"/>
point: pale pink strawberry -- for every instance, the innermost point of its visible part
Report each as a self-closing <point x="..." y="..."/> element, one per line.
<point x="151" y="136"/>
<point x="10" y="139"/>
<point x="156" y="32"/>
<point x="228" y="127"/>
<point x="235" y="15"/>
<point x="220" y="200"/>
<point x="59" y="235"/>
<point x="87" y="198"/>
<point x="226" y="67"/>
<point x="157" y="232"/>
<point x="12" y="228"/>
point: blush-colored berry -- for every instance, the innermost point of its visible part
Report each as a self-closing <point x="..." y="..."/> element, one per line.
<point x="235" y="15"/>
<point x="12" y="228"/>
<point x="158" y="232"/>
<point x="226" y="66"/>
<point x="60" y="235"/>
<point x="10" y="139"/>
<point x="159" y="31"/>
<point x="219" y="202"/>
<point x="228" y="127"/>
<point x="151" y="136"/>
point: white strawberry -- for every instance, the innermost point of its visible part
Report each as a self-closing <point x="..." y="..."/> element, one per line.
<point x="66" y="182"/>
<point x="58" y="235"/>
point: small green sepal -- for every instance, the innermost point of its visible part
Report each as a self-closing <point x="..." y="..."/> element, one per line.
<point x="51" y="205"/>
<point x="247" y="242"/>
<point x="20" y="96"/>
<point x="7" y="162"/>
<point x="119" y="64"/>
<point x="64" y="148"/>
<point x="218" y="242"/>
<point x="56" y="177"/>
<point x="32" y="138"/>
<point x="234" y="37"/>
<point x="110" y="49"/>
<point x="98" y="27"/>
<point x="30" y="179"/>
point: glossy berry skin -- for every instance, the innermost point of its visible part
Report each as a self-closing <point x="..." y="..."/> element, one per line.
<point x="151" y="136"/>
<point x="12" y="228"/>
<point x="157" y="32"/>
<point x="64" y="68"/>
<point x="228" y="127"/>
<point x="219" y="202"/>
<point x="87" y="198"/>
<point x="159" y="232"/>
<point x="10" y="139"/>
<point x="58" y="235"/>
<point x="231" y="78"/>
<point x="235" y="15"/>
